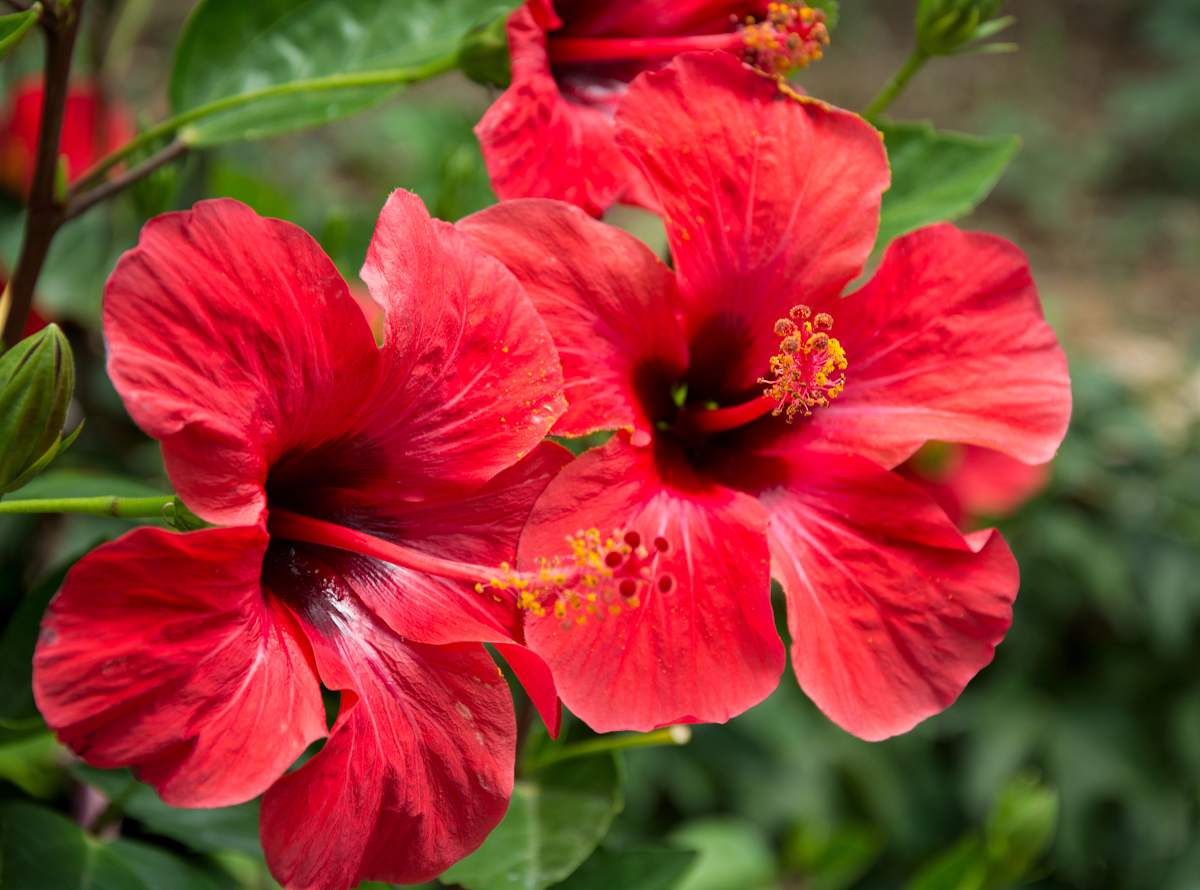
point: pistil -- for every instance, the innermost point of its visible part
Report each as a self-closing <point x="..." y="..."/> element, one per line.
<point x="602" y="575"/>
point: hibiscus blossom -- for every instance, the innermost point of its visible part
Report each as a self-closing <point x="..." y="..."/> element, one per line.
<point x="356" y="486"/>
<point x="758" y="414"/>
<point x="92" y="128"/>
<point x="551" y="134"/>
<point x="971" y="482"/>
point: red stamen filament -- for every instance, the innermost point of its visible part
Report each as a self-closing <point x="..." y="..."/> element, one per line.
<point x="286" y="525"/>
<point x="625" y="49"/>
<point x="718" y="420"/>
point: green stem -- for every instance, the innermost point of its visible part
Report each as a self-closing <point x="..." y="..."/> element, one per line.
<point x="672" y="735"/>
<point x="124" y="508"/>
<point x="896" y="85"/>
<point x="172" y="125"/>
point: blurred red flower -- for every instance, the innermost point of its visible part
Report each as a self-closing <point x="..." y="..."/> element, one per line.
<point x="92" y="128"/>
<point x="198" y="658"/>
<point x="971" y="483"/>
<point x="551" y="134"/>
<point x="771" y="204"/>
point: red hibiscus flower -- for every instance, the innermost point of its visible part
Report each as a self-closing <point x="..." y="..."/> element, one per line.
<point x="759" y="411"/>
<point x="971" y="482"/>
<point x="551" y="134"/>
<point x="92" y="128"/>
<point x="356" y="485"/>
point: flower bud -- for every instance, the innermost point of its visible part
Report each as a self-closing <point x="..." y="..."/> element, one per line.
<point x="37" y="380"/>
<point x="483" y="53"/>
<point x="945" y="27"/>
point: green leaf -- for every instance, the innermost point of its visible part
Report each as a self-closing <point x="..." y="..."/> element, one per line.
<point x="733" y="855"/>
<point x="41" y="849"/>
<point x="937" y="176"/>
<point x="258" y="50"/>
<point x="647" y="867"/>
<point x="1020" y="828"/>
<point x="158" y="869"/>
<point x="833" y="858"/>
<point x="554" y="822"/>
<point x="205" y="831"/>
<point x="32" y="764"/>
<point x="963" y="867"/>
<point x="14" y="27"/>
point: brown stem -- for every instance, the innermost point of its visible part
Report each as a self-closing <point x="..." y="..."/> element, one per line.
<point x="45" y="213"/>
<point x="85" y="201"/>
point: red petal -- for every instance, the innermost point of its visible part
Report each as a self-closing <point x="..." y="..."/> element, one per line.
<point x="769" y="199"/>
<point x="947" y="342"/>
<point x="161" y="653"/>
<point x="972" y="482"/>
<point x="534" y="675"/>
<point x="609" y="302"/>
<point x="471" y="381"/>
<point x="232" y="339"/>
<point x="892" y="611"/>
<point x="417" y="771"/>
<point x="704" y="652"/>
<point x="539" y="145"/>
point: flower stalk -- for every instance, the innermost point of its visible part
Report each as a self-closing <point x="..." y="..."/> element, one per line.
<point x="675" y="736"/>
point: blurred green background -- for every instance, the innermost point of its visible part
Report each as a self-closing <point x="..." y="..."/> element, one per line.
<point x="1074" y="760"/>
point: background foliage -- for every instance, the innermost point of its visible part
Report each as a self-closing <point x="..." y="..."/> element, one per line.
<point x="1072" y="762"/>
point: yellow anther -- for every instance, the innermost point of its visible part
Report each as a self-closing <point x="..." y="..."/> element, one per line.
<point x="806" y="374"/>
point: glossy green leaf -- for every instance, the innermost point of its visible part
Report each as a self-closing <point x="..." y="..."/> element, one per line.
<point x="632" y="868"/>
<point x="14" y="27"/>
<point x="556" y="819"/>
<point x="211" y="830"/>
<point x="937" y="176"/>
<point x="231" y="48"/>
<point x="733" y="855"/>
<point x="41" y="849"/>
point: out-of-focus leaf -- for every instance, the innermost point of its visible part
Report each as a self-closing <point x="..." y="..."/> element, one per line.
<point x="224" y="828"/>
<point x="32" y="765"/>
<point x="160" y="870"/>
<point x="632" y="868"/>
<point x="14" y="27"/>
<point x="733" y="855"/>
<point x="832" y="859"/>
<point x="937" y="176"/>
<point x="1020" y="828"/>
<point x="556" y="819"/>
<point x="231" y="48"/>
<point x="43" y="850"/>
<point x="40" y="849"/>
<point x="963" y="867"/>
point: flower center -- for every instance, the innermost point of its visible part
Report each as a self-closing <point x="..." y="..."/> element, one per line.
<point x="808" y="371"/>
<point x="791" y="36"/>
<point x="788" y="39"/>
<point x="603" y="575"/>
